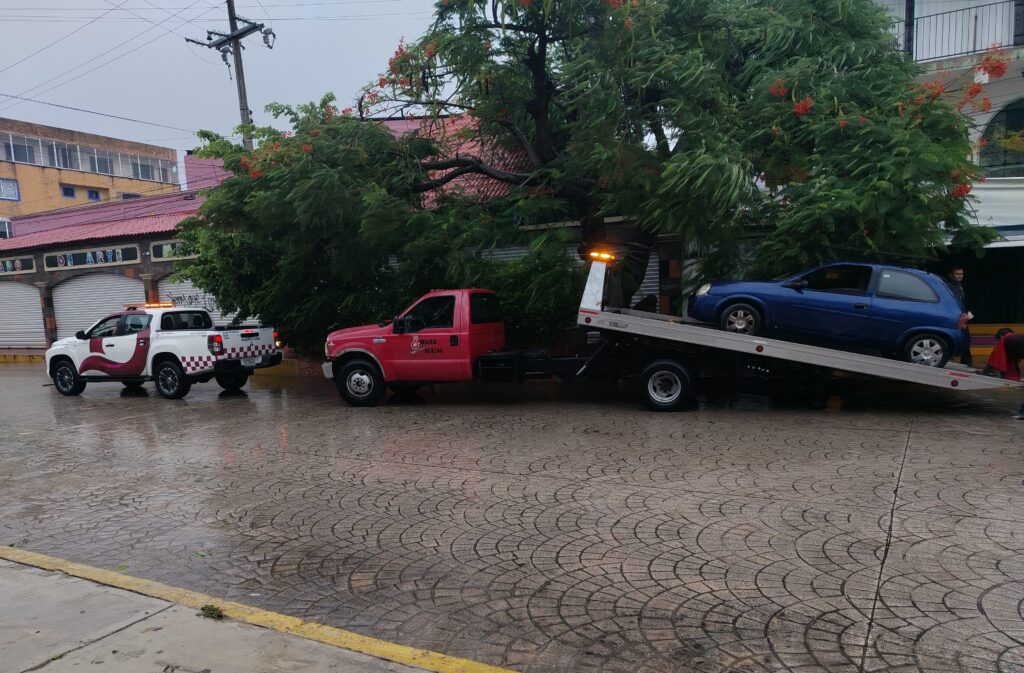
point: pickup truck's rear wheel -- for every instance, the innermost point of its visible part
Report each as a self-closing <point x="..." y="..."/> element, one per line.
<point x="66" y="379"/>
<point x="171" y="381"/>
<point x="232" y="381"/>
<point x="360" y="383"/>
<point x="666" y="386"/>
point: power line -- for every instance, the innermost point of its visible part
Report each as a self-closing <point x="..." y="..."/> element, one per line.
<point x="95" y="58"/>
<point x="334" y="17"/>
<point x="297" y="4"/>
<point x="62" y="38"/>
<point x="94" y="112"/>
<point x="167" y="30"/>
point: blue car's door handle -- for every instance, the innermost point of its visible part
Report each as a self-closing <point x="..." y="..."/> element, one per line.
<point x="860" y="305"/>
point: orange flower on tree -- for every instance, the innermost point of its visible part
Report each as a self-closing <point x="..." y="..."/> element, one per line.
<point x="802" y="107"/>
<point x="779" y="88"/>
<point x="307" y="148"/>
<point x="843" y="123"/>
<point x="960" y="190"/>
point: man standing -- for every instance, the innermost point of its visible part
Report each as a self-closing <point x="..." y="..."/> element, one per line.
<point x="955" y="280"/>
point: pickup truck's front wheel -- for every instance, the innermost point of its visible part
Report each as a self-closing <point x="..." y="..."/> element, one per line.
<point x="171" y="381"/>
<point x="66" y="379"/>
<point x="360" y="383"/>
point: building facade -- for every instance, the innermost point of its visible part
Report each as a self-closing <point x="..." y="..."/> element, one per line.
<point x="949" y="39"/>
<point x="44" y="168"/>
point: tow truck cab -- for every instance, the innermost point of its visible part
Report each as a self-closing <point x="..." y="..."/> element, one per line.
<point x="439" y="338"/>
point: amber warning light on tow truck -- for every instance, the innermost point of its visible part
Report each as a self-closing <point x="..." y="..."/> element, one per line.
<point x="602" y="256"/>
<point x="153" y="304"/>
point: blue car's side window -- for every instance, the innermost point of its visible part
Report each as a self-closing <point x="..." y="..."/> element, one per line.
<point x="894" y="284"/>
<point x="840" y="278"/>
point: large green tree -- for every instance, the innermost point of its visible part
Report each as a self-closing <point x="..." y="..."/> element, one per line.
<point x="763" y="133"/>
<point x="790" y="131"/>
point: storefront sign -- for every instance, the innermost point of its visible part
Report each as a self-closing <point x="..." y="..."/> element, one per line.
<point x="101" y="256"/>
<point x="11" y="265"/>
<point x="167" y="250"/>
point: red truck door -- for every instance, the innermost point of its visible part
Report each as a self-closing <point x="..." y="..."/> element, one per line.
<point x="432" y="349"/>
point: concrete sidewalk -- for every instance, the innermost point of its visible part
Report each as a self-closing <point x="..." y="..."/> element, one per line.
<point x="55" y="623"/>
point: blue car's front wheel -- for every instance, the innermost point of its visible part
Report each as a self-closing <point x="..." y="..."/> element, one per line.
<point x="741" y="319"/>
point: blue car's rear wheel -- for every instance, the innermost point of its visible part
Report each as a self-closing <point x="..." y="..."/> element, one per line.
<point x="741" y="319"/>
<point x="929" y="350"/>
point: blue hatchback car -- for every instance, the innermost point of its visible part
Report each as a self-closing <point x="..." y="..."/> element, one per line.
<point x="900" y="311"/>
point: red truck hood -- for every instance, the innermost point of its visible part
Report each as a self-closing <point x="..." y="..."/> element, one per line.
<point x="351" y="333"/>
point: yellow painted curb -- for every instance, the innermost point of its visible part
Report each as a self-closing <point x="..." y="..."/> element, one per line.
<point x="7" y="359"/>
<point x="329" y="635"/>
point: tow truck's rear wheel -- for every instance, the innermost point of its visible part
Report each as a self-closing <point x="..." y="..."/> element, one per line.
<point x="741" y="319"/>
<point x="666" y="386"/>
<point x="360" y="383"/>
<point x="926" y="349"/>
<point x="66" y="379"/>
<point x="171" y="381"/>
<point x="232" y="381"/>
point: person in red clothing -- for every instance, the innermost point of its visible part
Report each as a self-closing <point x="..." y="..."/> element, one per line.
<point x="1005" y="359"/>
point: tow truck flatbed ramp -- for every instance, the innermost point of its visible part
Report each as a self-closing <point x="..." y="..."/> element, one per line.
<point x="592" y="314"/>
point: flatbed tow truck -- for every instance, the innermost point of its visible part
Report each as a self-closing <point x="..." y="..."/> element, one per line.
<point x="458" y="335"/>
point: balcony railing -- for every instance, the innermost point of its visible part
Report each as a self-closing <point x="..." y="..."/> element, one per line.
<point x="963" y="31"/>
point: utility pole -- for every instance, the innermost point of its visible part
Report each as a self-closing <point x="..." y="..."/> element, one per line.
<point x="231" y="43"/>
<point x="243" y="100"/>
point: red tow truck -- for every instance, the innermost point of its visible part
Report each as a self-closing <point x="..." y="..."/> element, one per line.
<point x="459" y="335"/>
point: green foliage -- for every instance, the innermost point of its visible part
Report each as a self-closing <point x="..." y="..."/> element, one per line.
<point x="764" y="133"/>
<point x="539" y="293"/>
<point x="797" y="124"/>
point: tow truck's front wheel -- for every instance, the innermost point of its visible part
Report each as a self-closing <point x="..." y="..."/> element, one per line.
<point x="666" y="386"/>
<point x="66" y="379"/>
<point x="171" y="381"/>
<point x="360" y="383"/>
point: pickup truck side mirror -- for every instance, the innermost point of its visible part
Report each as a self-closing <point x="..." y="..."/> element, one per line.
<point x="397" y="325"/>
<point x="800" y="284"/>
<point x="80" y="335"/>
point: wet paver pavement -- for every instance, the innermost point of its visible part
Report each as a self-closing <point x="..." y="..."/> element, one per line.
<point x="549" y="531"/>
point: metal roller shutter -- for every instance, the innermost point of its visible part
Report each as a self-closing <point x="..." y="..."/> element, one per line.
<point x="21" y="316"/>
<point x="652" y="282"/>
<point x="81" y="301"/>
<point x="184" y="293"/>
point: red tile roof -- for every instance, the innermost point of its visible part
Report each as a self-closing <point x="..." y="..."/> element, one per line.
<point x="460" y="136"/>
<point x="93" y="231"/>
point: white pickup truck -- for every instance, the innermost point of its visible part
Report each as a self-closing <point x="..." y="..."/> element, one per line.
<point x="174" y="347"/>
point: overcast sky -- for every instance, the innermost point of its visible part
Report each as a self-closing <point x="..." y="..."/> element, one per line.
<point x="123" y="63"/>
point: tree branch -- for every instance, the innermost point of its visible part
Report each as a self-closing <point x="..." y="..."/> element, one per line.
<point x="527" y="146"/>
<point x="465" y="165"/>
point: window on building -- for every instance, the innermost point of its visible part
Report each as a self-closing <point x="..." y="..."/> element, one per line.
<point x="9" y="190"/>
<point x="129" y="195"/>
<point x="61" y="155"/>
<point x="998" y="160"/>
<point x="144" y="168"/>
<point x="67" y="192"/>
<point x="101" y="161"/>
<point x="94" y="195"/>
<point x="23" y="150"/>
